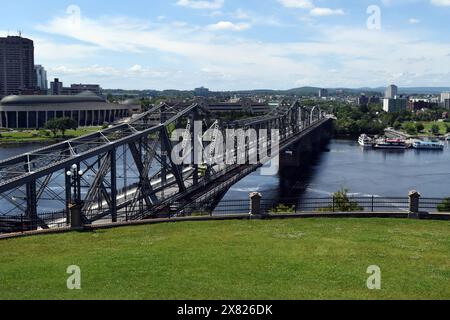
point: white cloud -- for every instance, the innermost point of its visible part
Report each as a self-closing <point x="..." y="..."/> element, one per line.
<point x="441" y="3"/>
<point x="313" y="9"/>
<point x="322" y="12"/>
<point x="227" y="25"/>
<point x="303" y="4"/>
<point x="202" y="4"/>
<point x="414" y="21"/>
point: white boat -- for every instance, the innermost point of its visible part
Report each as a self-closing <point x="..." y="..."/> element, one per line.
<point x="365" y="141"/>
<point x="428" y="145"/>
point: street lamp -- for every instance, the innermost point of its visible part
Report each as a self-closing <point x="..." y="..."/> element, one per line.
<point x="76" y="204"/>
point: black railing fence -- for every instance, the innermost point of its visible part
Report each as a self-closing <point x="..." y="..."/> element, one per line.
<point x="200" y="207"/>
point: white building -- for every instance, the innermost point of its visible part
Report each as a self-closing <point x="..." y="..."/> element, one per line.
<point x="445" y="96"/>
<point x="41" y="75"/>
<point x="395" y="105"/>
<point x="391" y="91"/>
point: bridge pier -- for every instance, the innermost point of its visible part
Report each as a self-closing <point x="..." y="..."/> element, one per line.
<point x="301" y="152"/>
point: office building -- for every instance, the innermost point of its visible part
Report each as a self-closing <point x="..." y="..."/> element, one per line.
<point x="323" y="93"/>
<point x="201" y="92"/>
<point x="57" y="88"/>
<point x="363" y="100"/>
<point x="41" y="76"/>
<point x="395" y="105"/>
<point x="391" y="92"/>
<point x="17" y="72"/>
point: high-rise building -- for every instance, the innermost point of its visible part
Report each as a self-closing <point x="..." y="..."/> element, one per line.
<point x="16" y="65"/>
<point x="56" y="87"/>
<point x="395" y="105"/>
<point x="363" y="100"/>
<point x="41" y="76"/>
<point x="445" y="96"/>
<point x="391" y="91"/>
<point x="323" y="93"/>
<point x="201" y="92"/>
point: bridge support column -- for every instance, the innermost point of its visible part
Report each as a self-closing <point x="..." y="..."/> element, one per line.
<point x="255" y="203"/>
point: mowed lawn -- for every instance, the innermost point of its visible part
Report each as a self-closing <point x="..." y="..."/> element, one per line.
<point x="280" y="259"/>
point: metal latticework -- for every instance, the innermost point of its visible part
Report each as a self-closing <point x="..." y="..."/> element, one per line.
<point x="127" y="172"/>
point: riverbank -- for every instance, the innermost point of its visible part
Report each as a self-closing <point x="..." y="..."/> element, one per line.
<point x="23" y="137"/>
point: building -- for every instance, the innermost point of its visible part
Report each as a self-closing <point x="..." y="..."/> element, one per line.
<point x="239" y="105"/>
<point x="17" y="72"/>
<point x="391" y="91"/>
<point x="395" y="105"/>
<point x="201" y="92"/>
<point x="444" y="96"/>
<point x="446" y="104"/>
<point x="41" y="76"/>
<point x="374" y="100"/>
<point x="363" y="100"/>
<point x="323" y="93"/>
<point x="30" y="112"/>
<point x="419" y="104"/>
<point x="57" y="88"/>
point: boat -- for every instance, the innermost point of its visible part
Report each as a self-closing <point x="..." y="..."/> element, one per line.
<point x="391" y="144"/>
<point x="365" y="141"/>
<point x="428" y="145"/>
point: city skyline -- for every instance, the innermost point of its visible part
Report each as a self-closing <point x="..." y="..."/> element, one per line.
<point x="227" y="45"/>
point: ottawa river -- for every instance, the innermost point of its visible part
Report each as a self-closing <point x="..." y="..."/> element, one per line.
<point x="343" y="163"/>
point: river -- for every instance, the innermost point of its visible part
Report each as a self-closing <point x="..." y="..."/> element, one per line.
<point x="343" y="163"/>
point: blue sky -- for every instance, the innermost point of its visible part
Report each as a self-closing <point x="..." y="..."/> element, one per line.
<point x="230" y="44"/>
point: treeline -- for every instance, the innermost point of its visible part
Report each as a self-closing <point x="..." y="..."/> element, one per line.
<point x="372" y="119"/>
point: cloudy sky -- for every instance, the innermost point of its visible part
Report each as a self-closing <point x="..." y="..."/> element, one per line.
<point x="231" y="44"/>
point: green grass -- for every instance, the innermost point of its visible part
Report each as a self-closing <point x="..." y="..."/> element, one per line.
<point x="428" y="125"/>
<point x="280" y="259"/>
<point x="24" y="136"/>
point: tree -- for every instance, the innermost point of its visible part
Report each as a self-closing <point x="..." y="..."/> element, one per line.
<point x="53" y="126"/>
<point x="435" y="130"/>
<point x="444" y="206"/>
<point x="60" y="124"/>
<point x="410" y="129"/>
<point x="447" y="127"/>
<point x="420" y="127"/>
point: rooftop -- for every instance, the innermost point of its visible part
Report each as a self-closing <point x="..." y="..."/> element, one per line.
<point x="30" y="100"/>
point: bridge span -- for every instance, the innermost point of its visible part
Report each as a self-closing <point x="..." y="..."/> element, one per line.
<point x="127" y="172"/>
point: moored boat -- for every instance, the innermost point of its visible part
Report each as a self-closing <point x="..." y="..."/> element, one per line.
<point x="391" y="144"/>
<point x="365" y="141"/>
<point x="428" y="145"/>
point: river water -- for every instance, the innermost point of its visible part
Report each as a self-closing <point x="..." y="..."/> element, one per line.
<point x="343" y="163"/>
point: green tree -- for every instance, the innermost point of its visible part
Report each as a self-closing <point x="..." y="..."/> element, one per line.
<point x="435" y="130"/>
<point x="420" y="127"/>
<point x="447" y="127"/>
<point x="410" y="128"/>
<point x="444" y="206"/>
<point x="53" y="126"/>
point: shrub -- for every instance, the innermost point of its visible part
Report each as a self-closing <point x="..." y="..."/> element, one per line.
<point x="282" y="208"/>
<point x="444" y="206"/>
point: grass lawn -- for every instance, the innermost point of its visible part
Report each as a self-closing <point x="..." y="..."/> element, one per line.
<point x="281" y="259"/>
<point x="428" y="125"/>
<point x="41" y="136"/>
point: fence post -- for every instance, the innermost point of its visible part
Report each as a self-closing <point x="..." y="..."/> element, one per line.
<point x="75" y="216"/>
<point x="255" y="203"/>
<point x="373" y="205"/>
<point x="334" y="200"/>
<point x="414" y="204"/>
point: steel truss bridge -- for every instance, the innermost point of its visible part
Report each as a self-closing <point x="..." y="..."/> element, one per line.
<point x="126" y="171"/>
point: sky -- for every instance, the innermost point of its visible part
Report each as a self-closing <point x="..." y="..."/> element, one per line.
<point x="237" y="45"/>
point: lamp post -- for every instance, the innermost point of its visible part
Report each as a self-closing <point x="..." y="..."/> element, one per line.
<point x="76" y="204"/>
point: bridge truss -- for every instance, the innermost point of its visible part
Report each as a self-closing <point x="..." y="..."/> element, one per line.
<point x="126" y="172"/>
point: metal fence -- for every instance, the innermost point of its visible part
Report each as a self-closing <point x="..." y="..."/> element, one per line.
<point x="54" y="220"/>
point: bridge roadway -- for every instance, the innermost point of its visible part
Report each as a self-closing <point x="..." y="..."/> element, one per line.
<point x="30" y="179"/>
